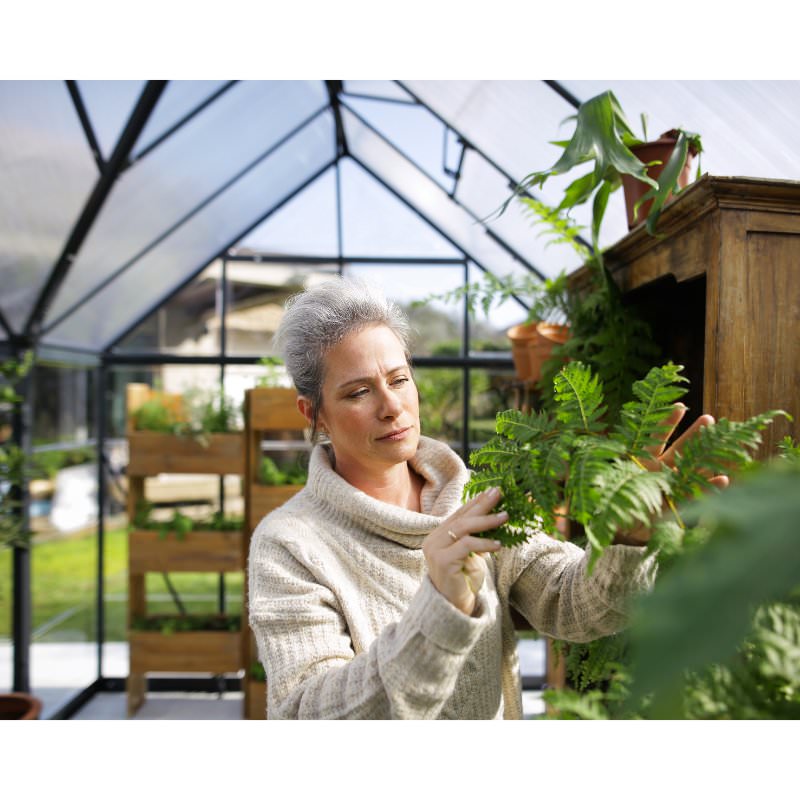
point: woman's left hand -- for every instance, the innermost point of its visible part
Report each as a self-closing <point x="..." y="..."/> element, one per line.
<point x="665" y="456"/>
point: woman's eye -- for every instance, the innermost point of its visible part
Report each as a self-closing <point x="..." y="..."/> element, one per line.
<point x="400" y="381"/>
<point x="358" y="393"/>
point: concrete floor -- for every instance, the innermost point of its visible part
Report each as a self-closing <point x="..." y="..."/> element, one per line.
<point x="59" y="670"/>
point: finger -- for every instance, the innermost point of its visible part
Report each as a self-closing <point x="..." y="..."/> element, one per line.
<point x="720" y="481"/>
<point x="471" y="545"/>
<point x="701" y="422"/>
<point x="469" y="525"/>
<point x="670" y="424"/>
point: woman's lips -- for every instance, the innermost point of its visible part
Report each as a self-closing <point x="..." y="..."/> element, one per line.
<point x="395" y="436"/>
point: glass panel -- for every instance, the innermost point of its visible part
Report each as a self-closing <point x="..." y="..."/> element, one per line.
<point x="176" y="101"/>
<point x="306" y="225"/>
<point x="376" y="223"/>
<point x="64" y="525"/>
<point x="257" y="295"/>
<point x="438" y="326"/>
<point x="186" y="170"/>
<point x="411" y="129"/>
<point x="427" y="197"/>
<point x="483" y="190"/>
<point x="377" y="89"/>
<point x="441" y="399"/>
<point x="212" y="230"/>
<point x="109" y="105"/>
<point x="491" y="391"/>
<point x="48" y="172"/>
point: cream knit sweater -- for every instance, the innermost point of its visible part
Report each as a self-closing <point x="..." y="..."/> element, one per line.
<point x="349" y="626"/>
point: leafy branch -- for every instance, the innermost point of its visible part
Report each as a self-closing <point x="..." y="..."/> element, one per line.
<point x="594" y="466"/>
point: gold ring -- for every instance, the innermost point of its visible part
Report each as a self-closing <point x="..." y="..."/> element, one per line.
<point x="452" y="536"/>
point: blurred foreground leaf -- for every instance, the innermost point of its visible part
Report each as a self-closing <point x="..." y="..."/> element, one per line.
<point x="700" y="611"/>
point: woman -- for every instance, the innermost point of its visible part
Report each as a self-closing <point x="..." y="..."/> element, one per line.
<point x="370" y="597"/>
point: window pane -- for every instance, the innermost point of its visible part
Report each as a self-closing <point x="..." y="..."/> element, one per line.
<point x="47" y="174"/>
<point x="438" y="326"/>
<point x="441" y="391"/>
<point x="186" y="250"/>
<point x="176" y="101"/>
<point x="109" y="105"/>
<point x="183" y="172"/>
<point x="304" y="226"/>
<point x="376" y="223"/>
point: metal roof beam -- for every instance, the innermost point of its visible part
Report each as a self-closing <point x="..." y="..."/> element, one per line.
<point x="566" y="94"/>
<point x="86" y="124"/>
<point x="334" y="90"/>
<point x="91" y="210"/>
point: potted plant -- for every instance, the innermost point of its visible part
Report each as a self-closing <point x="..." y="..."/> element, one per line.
<point x="190" y="433"/>
<point x="19" y="705"/>
<point x="603" y="136"/>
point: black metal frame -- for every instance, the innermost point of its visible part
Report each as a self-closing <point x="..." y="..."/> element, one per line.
<point x="120" y="160"/>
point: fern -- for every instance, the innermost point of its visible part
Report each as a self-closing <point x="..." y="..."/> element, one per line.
<point x="579" y="396"/>
<point x="577" y="458"/>
<point x="642" y="420"/>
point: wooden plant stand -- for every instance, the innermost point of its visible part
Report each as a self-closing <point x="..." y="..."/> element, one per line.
<point x="213" y="551"/>
<point x="270" y="414"/>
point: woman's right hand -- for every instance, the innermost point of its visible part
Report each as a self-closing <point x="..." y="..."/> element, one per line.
<point x="452" y="553"/>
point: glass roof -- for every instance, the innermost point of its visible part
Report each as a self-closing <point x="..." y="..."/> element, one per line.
<point x="313" y="169"/>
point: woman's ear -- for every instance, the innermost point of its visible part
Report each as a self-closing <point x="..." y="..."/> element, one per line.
<point x="306" y="408"/>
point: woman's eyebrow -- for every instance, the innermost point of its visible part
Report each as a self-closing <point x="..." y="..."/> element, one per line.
<point x="368" y="378"/>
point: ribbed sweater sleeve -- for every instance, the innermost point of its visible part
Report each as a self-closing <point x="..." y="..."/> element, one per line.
<point x="408" y="671"/>
<point x="548" y="582"/>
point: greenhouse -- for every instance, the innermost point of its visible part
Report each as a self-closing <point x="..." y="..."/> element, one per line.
<point x="151" y="235"/>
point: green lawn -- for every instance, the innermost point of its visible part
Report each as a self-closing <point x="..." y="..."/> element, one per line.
<point x="64" y="575"/>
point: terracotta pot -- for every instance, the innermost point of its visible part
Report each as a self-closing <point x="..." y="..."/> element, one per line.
<point x="18" y="705"/>
<point x="523" y="339"/>
<point x="548" y="336"/>
<point x="659" y="150"/>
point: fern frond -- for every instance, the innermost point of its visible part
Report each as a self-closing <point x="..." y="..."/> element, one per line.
<point x="498" y="453"/>
<point x="590" y="456"/>
<point x="642" y="420"/>
<point x="628" y="495"/>
<point x="717" y="448"/>
<point x="579" y="396"/>
<point x="522" y="427"/>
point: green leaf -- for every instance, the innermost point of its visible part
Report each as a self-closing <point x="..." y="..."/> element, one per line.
<point x="702" y="609"/>
<point x="579" y="396"/>
<point x="642" y="420"/>
<point x="717" y="449"/>
<point x="524" y="427"/>
<point x="627" y="496"/>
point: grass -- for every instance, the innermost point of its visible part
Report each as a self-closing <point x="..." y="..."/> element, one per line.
<point x="64" y="577"/>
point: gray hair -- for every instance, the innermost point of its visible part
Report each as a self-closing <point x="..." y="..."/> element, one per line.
<point x="319" y="318"/>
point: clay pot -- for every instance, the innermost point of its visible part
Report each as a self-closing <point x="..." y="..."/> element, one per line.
<point x="658" y="150"/>
<point x="523" y="339"/>
<point x="549" y="335"/>
<point x="18" y="705"/>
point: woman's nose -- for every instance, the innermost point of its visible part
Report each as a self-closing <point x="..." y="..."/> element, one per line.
<point x="390" y="404"/>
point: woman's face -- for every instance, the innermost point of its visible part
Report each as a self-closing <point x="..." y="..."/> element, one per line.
<point x="370" y="406"/>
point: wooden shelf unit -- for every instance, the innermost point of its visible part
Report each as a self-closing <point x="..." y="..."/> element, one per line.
<point x="270" y="417"/>
<point x="214" y="551"/>
<point x="720" y="286"/>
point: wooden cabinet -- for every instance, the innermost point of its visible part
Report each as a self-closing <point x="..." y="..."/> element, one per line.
<point x="272" y="425"/>
<point x="721" y="288"/>
<point x="211" y="551"/>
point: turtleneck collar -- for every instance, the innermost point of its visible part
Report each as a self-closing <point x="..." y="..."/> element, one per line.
<point x="442" y="470"/>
